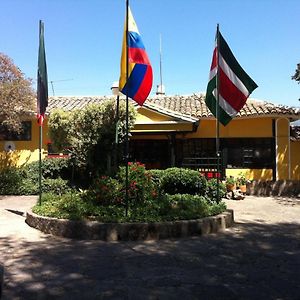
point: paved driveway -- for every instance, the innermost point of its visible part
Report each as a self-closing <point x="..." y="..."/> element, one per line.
<point x="259" y="258"/>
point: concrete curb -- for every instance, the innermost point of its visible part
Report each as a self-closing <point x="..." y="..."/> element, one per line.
<point x="93" y="230"/>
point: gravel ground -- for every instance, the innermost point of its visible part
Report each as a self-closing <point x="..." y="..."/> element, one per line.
<point x="258" y="258"/>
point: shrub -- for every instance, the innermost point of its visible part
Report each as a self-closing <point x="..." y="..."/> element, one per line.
<point x="106" y="191"/>
<point x="141" y="187"/>
<point x="56" y="186"/>
<point x="212" y="190"/>
<point x="183" y="181"/>
<point x="29" y="187"/>
<point x="67" y="206"/>
<point x="156" y="175"/>
<point x="168" y="208"/>
<point x="186" y="206"/>
<point x="89" y="133"/>
<point x="10" y="181"/>
<point x="51" y="168"/>
<point x="217" y="208"/>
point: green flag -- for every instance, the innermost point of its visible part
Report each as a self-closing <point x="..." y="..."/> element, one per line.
<point x="42" y="82"/>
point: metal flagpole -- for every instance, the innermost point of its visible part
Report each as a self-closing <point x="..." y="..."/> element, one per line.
<point x="115" y="152"/>
<point x="127" y="110"/>
<point x="217" y="117"/>
<point x="40" y="157"/>
<point x="117" y="120"/>
<point x="42" y="98"/>
<point x="40" y="122"/>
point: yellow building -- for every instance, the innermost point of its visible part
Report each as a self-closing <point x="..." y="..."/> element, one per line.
<point x="180" y="131"/>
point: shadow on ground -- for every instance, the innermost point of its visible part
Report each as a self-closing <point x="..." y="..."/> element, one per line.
<point x="249" y="261"/>
<point x="287" y="201"/>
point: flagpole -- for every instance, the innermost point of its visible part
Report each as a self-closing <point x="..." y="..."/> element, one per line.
<point x="117" y="121"/>
<point x="42" y="98"/>
<point x="127" y="111"/>
<point x="40" y="162"/>
<point x="218" y="116"/>
<point x="40" y="123"/>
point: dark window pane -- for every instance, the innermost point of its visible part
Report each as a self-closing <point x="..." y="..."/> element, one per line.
<point x="249" y="153"/>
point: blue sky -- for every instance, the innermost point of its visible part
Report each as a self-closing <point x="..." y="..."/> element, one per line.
<point x="83" y="42"/>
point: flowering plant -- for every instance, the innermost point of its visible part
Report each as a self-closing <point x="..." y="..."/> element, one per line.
<point x="107" y="191"/>
<point x="141" y="187"/>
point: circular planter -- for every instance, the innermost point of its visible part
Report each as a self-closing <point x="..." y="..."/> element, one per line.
<point x="130" y="231"/>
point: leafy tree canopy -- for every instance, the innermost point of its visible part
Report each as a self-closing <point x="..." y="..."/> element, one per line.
<point x="89" y="133"/>
<point x="16" y="94"/>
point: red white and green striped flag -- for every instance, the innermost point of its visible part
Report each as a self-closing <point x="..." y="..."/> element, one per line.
<point x="234" y="84"/>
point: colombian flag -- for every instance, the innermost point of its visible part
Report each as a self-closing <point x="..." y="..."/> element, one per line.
<point x="140" y="74"/>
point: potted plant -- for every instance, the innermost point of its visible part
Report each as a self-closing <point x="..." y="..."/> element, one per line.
<point x="241" y="182"/>
<point x="230" y="183"/>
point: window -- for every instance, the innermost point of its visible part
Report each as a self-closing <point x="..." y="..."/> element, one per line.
<point x="153" y="153"/>
<point x="199" y="148"/>
<point x="249" y="152"/>
<point x="24" y="135"/>
<point x="236" y="152"/>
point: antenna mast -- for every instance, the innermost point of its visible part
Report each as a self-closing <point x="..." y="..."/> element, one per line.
<point x="160" y="88"/>
<point x="52" y="81"/>
<point x="160" y="61"/>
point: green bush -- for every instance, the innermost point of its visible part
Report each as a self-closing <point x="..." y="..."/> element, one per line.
<point x="168" y="208"/>
<point x="141" y="188"/>
<point x="217" y="208"/>
<point x="11" y="181"/>
<point x="67" y="206"/>
<point x="156" y="175"/>
<point x="212" y="189"/>
<point x="56" y="186"/>
<point x="106" y="191"/>
<point x="51" y="168"/>
<point x="186" y="206"/>
<point x="183" y="181"/>
<point x="19" y="181"/>
<point x="29" y="187"/>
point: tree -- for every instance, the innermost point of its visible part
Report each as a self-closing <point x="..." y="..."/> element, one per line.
<point x="296" y="76"/>
<point x="16" y="94"/>
<point x="89" y="133"/>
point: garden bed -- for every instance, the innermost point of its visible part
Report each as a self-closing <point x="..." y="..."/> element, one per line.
<point x="130" y="231"/>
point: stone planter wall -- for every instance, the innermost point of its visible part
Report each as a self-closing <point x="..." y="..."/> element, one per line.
<point x="130" y="231"/>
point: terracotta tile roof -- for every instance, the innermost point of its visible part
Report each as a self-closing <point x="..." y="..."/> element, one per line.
<point x="183" y="106"/>
<point x="74" y="102"/>
<point x="171" y="113"/>
<point x="195" y="106"/>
